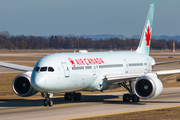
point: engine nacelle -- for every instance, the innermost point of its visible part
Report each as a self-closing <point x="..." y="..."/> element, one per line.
<point x="21" y="85"/>
<point x="148" y="86"/>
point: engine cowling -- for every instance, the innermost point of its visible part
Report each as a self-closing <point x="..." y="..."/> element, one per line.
<point x="21" y="85"/>
<point x="148" y="86"/>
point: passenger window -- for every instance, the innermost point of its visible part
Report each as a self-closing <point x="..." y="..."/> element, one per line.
<point x="43" y="69"/>
<point x="50" y="69"/>
<point x="36" y="68"/>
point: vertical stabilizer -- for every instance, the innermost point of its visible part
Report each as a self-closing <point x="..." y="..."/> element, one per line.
<point x="144" y="44"/>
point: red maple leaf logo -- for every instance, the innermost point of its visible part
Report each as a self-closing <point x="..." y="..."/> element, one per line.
<point x="72" y="62"/>
<point x="148" y="35"/>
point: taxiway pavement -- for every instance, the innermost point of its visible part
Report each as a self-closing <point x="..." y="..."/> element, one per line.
<point x="91" y="105"/>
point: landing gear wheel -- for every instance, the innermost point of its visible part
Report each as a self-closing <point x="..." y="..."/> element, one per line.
<point x="45" y="102"/>
<point x="135" y="98"/>
<point x="50" y="103"/>
<point x="75" y="97"/>
<point x="79" y="96"/>
<point x="131" y="95"/>
<point x="126" y="97"/>
<point x="68" y="97"/>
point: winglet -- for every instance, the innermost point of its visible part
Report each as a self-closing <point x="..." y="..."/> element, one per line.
<point x="144" y="44"/>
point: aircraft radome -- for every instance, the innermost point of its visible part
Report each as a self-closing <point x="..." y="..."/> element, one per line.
<point x="94" y="71"/>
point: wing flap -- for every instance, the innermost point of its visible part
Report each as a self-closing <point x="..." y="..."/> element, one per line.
<point x="16" y="67"/>
<point x="166" y="62"/>
<point x="123" y="76"/>
<point x="167" y="72"/>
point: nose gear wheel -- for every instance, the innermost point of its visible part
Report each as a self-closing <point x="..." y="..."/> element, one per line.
<point x="47" y="101"/>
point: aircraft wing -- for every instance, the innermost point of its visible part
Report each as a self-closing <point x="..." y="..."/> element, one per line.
<point x="132" y="76"/>
<point x="16" y="67"/>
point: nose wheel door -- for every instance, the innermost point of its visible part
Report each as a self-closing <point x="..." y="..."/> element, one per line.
<point x="66" y="69"/>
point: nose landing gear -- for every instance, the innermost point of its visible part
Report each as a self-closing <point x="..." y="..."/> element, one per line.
<point x="48" y="100"/>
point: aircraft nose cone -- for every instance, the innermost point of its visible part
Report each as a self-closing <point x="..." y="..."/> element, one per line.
<point x="38" y="82"/>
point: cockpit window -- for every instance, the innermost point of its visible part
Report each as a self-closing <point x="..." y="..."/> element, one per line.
<point x="43" y="69"/>
<point x="50" y="69"/>
<point x="36" y="68"/>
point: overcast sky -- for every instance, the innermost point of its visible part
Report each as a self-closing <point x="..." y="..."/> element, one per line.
<point x="91" y="17"/>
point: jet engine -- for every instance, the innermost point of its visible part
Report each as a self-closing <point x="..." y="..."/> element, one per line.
<point x="21" y="85"/>
<point x="148" y="86"/>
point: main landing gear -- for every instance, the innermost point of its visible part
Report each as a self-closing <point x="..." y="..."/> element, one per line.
<point x="69" y="96"/>
<point x="131" y="95"/>
<point x="48" y="100"/>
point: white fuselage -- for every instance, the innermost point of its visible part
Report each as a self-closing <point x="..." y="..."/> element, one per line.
<point x="85" y="71"/>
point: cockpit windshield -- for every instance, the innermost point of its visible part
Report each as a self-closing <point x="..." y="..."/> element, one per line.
<point x="44" y="69"/>
<point x="36" y="68"/>
<point x="50" y="69"/>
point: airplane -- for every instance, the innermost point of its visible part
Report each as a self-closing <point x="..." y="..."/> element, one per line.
<point x="94" y="71"/>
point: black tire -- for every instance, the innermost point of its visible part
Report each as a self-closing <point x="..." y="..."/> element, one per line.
<point x="50" y="103"/>
<point x="75" y="97"/>
<point x="67" y="97"/>
<point x="135" y="98"/>
<point x="126" y="98"/>
<point x="79" y="96"/>
<point x="45" y="102"/>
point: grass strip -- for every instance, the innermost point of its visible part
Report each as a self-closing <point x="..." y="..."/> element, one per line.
<point x="171" y="113"/>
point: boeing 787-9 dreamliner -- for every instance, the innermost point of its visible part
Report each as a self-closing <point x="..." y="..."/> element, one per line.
<point x="93" y="71"/>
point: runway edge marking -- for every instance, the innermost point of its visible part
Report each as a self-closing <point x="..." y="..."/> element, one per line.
<point x="122" y="113"/>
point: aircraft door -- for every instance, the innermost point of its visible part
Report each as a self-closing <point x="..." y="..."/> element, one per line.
<point x="66" y="69"/>
<point x="94" y="69"/>
<point x="148" y="66"/>
<point x="125" y="66"/>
